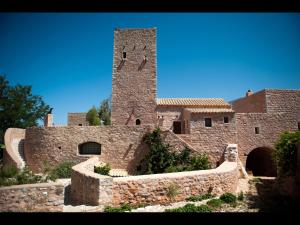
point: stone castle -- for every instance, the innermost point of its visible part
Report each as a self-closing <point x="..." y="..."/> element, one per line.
<point x="251" y="124"/>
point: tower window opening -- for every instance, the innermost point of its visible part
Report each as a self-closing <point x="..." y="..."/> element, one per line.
<point x="138" y="122"/>
<point x="256" y="130"/>
<point x="124" y="55"/>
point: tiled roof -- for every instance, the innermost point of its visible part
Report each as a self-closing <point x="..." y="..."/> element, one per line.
<point x="209" y="110"/>
<point x="202" y="102"/>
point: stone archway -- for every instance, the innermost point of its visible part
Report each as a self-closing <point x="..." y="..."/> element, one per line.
<point x="260" y="163"/>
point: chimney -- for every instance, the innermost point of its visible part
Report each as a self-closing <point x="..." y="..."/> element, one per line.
<point x="48" y="120"/>
<point x="249" y="92"/>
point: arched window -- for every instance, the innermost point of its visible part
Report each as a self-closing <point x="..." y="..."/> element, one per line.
<point x="89" y="148"/>
<point x="138" y="122"/>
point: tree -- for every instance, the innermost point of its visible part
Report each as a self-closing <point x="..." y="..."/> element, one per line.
<point x="105" y="111"/>
<point x="18" y="107"/>
<point x="92" y="117"/>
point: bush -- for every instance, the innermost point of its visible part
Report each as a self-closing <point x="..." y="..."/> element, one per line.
<point x="8" y="171"/>
<point x="215" y="203"/>
<point x="103" y="170"/>
<point x="228" y="198"/>
<point x="198" y="198"/>
<point x="123" y="208"/>
<point x="190" y="208"/>
<point x="93" y="117"/>
<point x="173" y="190"/>
<point x="285" y="153"/>
<point x="161" y="160"/>
<point x="241" y="196"/>
<point x="62" y="170"/>
<point x="200" y="162"/>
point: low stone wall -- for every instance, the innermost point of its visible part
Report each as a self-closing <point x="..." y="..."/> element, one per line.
<point x="90" y="188"/>
<point x="43" y="197"/>
<point x="153" y="189"/>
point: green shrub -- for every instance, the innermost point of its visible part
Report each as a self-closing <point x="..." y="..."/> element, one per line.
<point x="228" y="198"/>
<point x="215" y="203"/>
<point x="241" y="196"/>
<point x="93" y="117"/>
<point x="8" y="171"/>
<point x="62" y="170"/>
<point x="103" y="170"/>
<point x="161" y="160"/>
<point x="200" y="162"/>
<point x="123" y="208"/>
<point x="26" y="176"/>
<point x="198" y="198"/>
<point x="190" y="208"/>
<point x="285" y="153"/>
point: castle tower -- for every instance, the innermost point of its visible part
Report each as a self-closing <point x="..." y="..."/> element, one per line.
<point x="134" y="77"/>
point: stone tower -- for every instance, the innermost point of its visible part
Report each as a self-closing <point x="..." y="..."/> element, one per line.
<point x="134" y="77"/>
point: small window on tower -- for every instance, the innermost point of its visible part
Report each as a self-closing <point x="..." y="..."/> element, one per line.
<point x="256" y="130"/>
<point x="124" y="55"/>
<point x="298" y="125"/>
<point x="138" y="122"/>
<point x="226" y="119"/>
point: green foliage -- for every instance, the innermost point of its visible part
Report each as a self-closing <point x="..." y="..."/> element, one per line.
<point x="103" y="170"/>
<point x="123" y="208"/>
<point x="228" y="198"/>
<point x="160" y="159"/>
<point x="92" y="117"/>
<point x="285" y="153"/>
<point x="62" y="170"/>
<point x="105" y="111"/>
<point x="19" y="108"/>
<point x="215" y="203"/>
<point x="198" y="198"/>
<point x="172" y="191"/>
<point x="241" y="196"/>
<point x="200" y="162"/>
<point x="10" y="175"/>
<point x="191" y="208"/>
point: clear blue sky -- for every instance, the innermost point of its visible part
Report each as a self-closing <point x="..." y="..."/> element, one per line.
<point x="67" y="57"/>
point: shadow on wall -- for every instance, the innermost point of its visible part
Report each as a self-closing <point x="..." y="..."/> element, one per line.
<point x="140" y="152"/>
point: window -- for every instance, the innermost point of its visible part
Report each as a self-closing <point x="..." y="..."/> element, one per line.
<point x="80" y="124"/>
<point x="138" y="122"/>
<point x="256" y="130"/>
<point x="226" y="119"/>
<point x="177" y="127"/>
<point x="124" y="55"/>
<point x="298" y="125"/>
<point x="207" y="122"/>
<point x="90" y="148"/>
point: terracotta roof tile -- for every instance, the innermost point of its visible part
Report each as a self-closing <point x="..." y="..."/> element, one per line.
<point x="209" y="110"/>
<point x="201" y="102"/>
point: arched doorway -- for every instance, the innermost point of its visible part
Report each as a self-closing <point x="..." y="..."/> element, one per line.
<point x="260" y="163"/>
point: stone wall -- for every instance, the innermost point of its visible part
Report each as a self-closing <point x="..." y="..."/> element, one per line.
<point x="253" y="103"/>
<point x="121" y="146"/>
<point x="75" y="119"/>
<point x="153" y="189"/>
<point x="168" y="114"/>
<point x="134" y="77"/>
<point x="11" y="154"/>
<point x="43" y="197"/>
<point x="212" y="140"/>
<point x="270" y="127"/>
<point x="89" y="188"/>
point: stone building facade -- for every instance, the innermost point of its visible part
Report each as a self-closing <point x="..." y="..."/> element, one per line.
<point x="207" y="125"/>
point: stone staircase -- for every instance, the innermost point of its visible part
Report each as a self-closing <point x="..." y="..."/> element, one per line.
<point x="18" y="148"/>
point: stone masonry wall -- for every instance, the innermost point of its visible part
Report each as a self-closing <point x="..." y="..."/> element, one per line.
<point x="134" y="78"/>
<point x="254" y="103"/>
<point x="44" y="197"/>
<point x="74" y="119"/>
<point x="121" y="146"/>
<point x="168" y="115"/>
<point x="212" y="140"/>
<point x="270" y="128"/>
<point x="153" y="189"/>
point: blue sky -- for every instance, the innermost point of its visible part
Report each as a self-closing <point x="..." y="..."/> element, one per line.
<point x="67" y="57"/>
